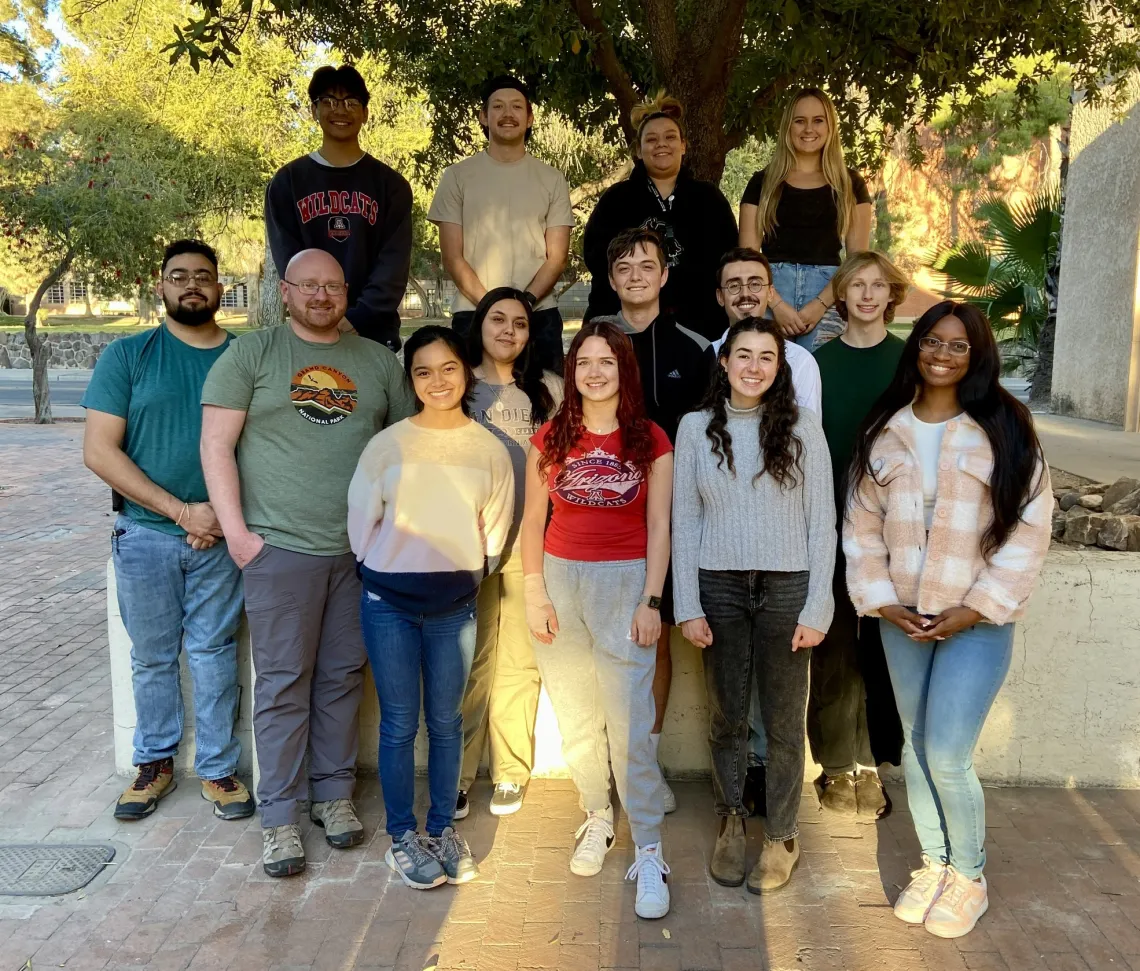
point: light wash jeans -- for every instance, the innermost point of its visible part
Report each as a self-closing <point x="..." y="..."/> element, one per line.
<point x="173" y="597"/>
<point x="404" y="650"/>
<point x="944" y="692"/>
<point x="798" y="284"/>
<point x="601" y="688"/>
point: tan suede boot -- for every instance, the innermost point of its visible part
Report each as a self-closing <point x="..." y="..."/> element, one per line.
<point x="728" y="859"/>
<point x="777" y="863"/>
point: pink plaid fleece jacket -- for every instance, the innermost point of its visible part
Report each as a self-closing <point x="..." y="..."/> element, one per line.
<point x="884" y="534"/>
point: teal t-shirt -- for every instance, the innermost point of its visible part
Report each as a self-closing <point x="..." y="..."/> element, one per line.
<point x="154" y="381"/>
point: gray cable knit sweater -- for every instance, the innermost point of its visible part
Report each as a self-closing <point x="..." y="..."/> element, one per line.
<point x="723" y="521"/>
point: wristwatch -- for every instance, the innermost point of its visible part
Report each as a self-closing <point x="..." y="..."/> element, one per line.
<point x="530" y="298"/>
<point x="653" y="603"/>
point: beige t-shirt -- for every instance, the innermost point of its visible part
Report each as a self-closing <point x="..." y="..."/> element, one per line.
<point x="504" y="209"/>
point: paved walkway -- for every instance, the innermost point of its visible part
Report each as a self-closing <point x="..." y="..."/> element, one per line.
<point x="186" y="891"/>
<point x="1089" y="448"/>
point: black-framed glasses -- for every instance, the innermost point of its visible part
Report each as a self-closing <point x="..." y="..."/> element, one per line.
<point x="309" y="289"/>
<point x="201" y="278"/>
<point x="734" y="288"/>
<point x="329" y="103"/>
<point x="931" y="344"/>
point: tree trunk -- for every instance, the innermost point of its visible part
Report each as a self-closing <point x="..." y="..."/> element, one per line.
<point x="145" y="301"/>
<point x="706" y="143"/>
<point x="955" y="198"/>
<point x="270" y="306"/>
<point x="252" y="293"/>
<point x="87" y="309"/>
<point x="425" y="299"/>
<point x="1041" y="384"/>
<point x="39" y="348"/>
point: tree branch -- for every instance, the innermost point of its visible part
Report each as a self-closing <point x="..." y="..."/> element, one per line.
<point x="608" y="62"/>
<point x="764" y="97"/>
<point x="661" y="23"/>
<point x="720" y="58"/>
<point x="588" y="190"/>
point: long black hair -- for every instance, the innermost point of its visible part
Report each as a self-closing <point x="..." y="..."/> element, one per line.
<point x="430" y="334"/>
<point x="525" y="369"/>
<point x="1006" y="421"/>
<point x="780" y="447"/>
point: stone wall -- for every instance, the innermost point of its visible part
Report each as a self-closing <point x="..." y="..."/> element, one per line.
<point x="67" y="349"/>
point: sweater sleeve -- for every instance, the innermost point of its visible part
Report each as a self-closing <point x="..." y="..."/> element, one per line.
<point x="375" y="311"/>
<point x="819" y="511"/>
<point x="365" y="500"/>
<point x="687" y="516"/>
<point x="1010" y="574"/>
<point x="282" y="229"/>
<point x="498" y="512"/>
<point x="865" y="549"/>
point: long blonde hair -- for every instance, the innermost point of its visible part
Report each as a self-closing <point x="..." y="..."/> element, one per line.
<point x="784" y="160"/>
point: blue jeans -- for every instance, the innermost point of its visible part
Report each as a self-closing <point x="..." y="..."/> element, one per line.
<point x="944" y="692"/>
<point x="173" y="597"/>
<point x="402" y="645"/>
<point x="799" y="284"/>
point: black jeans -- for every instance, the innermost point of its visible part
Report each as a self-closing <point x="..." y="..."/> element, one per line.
<point x="851" y="714"/>
<point x="546" y="335"/>
<point x="753" y="615"/>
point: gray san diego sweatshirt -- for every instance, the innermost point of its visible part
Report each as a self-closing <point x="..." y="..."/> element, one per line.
<point x="726" y="521"/>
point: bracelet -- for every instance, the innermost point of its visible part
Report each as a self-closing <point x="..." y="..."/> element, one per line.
<point x="826" y="307"/>
<point x="185" y="510"/>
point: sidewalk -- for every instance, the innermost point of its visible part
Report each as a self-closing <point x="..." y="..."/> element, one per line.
<point x="1089" y="448"/>
<point x="187" y="892"/>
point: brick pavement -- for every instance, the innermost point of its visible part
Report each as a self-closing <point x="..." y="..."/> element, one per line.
<point x="186" y="891"/>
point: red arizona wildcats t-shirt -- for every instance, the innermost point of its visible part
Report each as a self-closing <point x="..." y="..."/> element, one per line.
<point x="598" y="500"/>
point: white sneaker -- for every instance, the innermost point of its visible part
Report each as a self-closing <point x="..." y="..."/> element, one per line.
<point x="914" y="903"/>
<point x="667" y="796"/>
<point x="597" y="838"/>
<point x="651" y="870"/>
<point x="958" y="907"/>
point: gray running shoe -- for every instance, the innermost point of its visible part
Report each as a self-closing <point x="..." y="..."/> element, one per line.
<point x="282" y="854"/>
<point x="413" y="857"/>
<point x="337" y="818"/>
<point x="452" y="851"/>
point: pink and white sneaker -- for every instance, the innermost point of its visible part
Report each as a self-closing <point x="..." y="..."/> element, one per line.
<point x="914" y="903"/>
<point x="958" y="907"/>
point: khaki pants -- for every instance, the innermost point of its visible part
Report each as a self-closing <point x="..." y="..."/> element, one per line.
<point x="501" y="700"/>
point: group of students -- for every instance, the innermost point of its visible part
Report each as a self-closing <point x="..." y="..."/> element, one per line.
<point x="483" y="521"/>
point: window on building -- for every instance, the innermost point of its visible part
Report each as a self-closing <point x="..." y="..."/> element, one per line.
<point x="235" y="297"/>
<point x="78" y="290"/>
<point x="55" y="294"/>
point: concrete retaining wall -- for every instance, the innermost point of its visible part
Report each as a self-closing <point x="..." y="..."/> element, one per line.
<point x="1068" y="715"/>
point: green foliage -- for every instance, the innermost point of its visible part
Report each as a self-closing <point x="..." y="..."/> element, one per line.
<point x="730" y="61"/>
<point x="1003" y="273"/>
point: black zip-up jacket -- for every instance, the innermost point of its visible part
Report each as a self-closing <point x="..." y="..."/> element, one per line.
<point x="676" y="365"/>
<point x="362" y="215"/>
<point x="698" y="226"/>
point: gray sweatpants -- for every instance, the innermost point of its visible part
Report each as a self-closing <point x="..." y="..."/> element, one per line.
<point x="601" y="686"/>
<point x="308" y="652"/>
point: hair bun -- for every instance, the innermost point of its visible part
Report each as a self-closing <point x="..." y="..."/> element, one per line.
<point x="660" y="105"/>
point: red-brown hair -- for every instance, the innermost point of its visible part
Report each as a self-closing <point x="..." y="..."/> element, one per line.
<point x="566" y="427"/>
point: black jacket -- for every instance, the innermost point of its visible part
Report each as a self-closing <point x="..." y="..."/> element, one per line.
<point x="699" y="227"/>
<point x="676" y="366"/>
<point x="362" y="215"/>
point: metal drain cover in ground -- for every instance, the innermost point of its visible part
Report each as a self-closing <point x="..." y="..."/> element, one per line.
<point x="49" y="869"/>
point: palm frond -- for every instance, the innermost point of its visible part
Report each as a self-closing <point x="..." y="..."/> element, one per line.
<point x="968" y="267"/>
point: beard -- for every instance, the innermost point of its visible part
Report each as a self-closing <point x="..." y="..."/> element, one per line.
<point x="189" y="316"/>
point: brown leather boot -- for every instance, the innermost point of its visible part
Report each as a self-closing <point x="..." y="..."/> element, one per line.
<point x="728" y="859"/>
<point x="839" y="794"/>
<point x="777" y="863"/>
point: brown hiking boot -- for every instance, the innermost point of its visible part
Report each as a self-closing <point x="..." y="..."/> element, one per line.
<point x="155" y="780"/>
<point x="871" y="797"/>
<point x="728" y="859"/>
<point x="839" y="794"/>
<point x="230" y="798"/>
<point x="777" y="863"/>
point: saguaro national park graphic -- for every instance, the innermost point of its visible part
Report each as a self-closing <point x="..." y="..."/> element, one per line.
<point x="323" y="394"/>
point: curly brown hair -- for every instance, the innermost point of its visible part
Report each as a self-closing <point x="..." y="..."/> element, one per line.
<point x="780" y="447"/>
<point x="567" y="427"/>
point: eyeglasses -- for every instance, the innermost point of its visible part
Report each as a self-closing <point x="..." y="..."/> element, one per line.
<point x="202" y="278"/>
<point x="957" y="348"/>
<point x="329" y="103"/>
<point x="754" y="286"/>
<point x="332" y="289"/>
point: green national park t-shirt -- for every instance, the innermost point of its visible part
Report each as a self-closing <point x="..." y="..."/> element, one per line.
<point x="311" y="408"/>
<point x="154" y="381"/>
